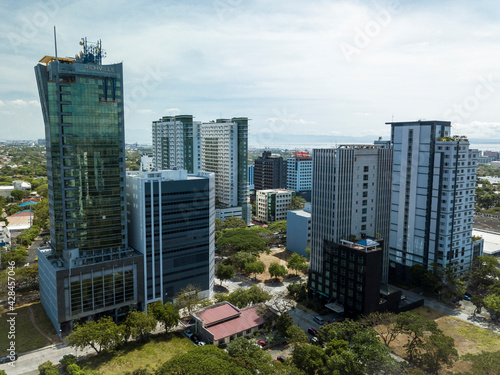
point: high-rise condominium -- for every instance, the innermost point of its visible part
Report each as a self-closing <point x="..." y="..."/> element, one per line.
<point x="433" y="187"/>
<point x="224" y="151"/>
<point x="269" y="172"/>
<point x="350" y="197"/>
<point x="177" y="143"/>
<point x="219" y="146"/>
<point x="89" y="269"/>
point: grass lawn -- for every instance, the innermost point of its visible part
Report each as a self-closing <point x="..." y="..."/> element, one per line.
<point x="468" y="337"/>
<point x="135" y="355"/>
<point x="27" y="337"/>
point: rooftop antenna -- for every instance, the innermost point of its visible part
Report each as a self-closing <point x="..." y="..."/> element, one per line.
<point x="55" y="42"/>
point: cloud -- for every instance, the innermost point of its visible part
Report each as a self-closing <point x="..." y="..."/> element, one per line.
<point x="478" y="130"/>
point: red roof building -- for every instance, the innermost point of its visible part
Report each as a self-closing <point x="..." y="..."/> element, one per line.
<point x="223" y="322"/>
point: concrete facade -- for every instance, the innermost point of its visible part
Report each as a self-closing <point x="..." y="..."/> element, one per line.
<point x="272" y="205"/>
<point x="298" y="230"/>
<point x="433" y="193"/>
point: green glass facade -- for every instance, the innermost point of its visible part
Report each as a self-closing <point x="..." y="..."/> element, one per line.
<point x="85" y="150"/>
<point x="89" y="270"/>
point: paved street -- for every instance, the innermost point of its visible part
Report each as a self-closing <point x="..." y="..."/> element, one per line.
<point x="28" y="363"/>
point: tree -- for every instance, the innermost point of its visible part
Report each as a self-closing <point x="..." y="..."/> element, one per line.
<point x="341" y="360"/>
<point x="167" y="314"/>
<point x="234" y="222"/>
<point x="11" y="209"/>
<point x="277" y="270"/>
<point x="453" y="287"/>
<point x="424" y="278"/>
<point x="284" y="322"/>
<point x="224" y="272"/>
<point x="74" y="369"/>
<point x="139" y="324"/>
<point x="478" y="301"/>
<point x="250" y="355"/>
<point x="297" y="291"/>
<point x="297" y="262"/>
<point x="296" y="335"/>
<point x="492" y="302"/>
<point x="384" y="324"/>
<point x="17" y="255"/>
<point x="100" y="335"/>
<point x="188" y="298"/>
<point x="484" y="363"/>
<point x="242" y="297"/>
<point x="297" y="203"/>
<point x="308" y="252"/>
<point x="484" y="271"/>
<point x="255" y="268"/>
<point x="308" y="358"/>
<point x="439" y="350"/>
<point x="48" y="368"/>
<point x="201" y="360"/>
<point x="239" y="239"/>
<point x="414" y="326"/>
<point x="17" y="195"/>
<point x="278" y="226"/>
<point x="66" y="360"/>
<point x="241" y="259"/>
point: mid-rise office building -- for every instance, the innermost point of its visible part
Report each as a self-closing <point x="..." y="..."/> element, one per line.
<point x="299" y="172"/>
<point x="350" y="280"/>
<point x="171" y="221"/>
<point x="350" y="198"/>
<point x="89" y="269"/>
<point x="176" y="143"/>
<point x="298" y="230"/>
<point x="433" y="192"/>
<point x="269" y="172"/>
<point x="224" y="145"/>
<point x="272" y="205"/>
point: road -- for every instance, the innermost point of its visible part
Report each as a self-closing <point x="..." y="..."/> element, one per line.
<point x="32" y="250"/>
<point x="28" y="363"/>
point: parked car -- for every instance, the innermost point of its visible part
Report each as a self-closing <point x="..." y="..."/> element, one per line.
<point x="261" y="343"/>
<point x="467" y="296"/>
<point x="195" y="339"/>
<point x="314" y="340"/>
<point x="319" y="320"/>
<point x="201" y="343"/>
<point x="9" y="358"/>
<point x="281" y="358"/>
<point x="188" y="334"/>
<point x="312" y="331"/>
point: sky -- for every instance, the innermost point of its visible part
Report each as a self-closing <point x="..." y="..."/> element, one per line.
<point x="295" y="68"/>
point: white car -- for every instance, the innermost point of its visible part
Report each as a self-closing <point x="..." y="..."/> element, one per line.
<point x="201" y="343"/>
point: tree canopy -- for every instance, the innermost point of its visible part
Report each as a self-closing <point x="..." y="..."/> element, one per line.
<point x="167" y="314"/>
<point x="239" y="239"/>
<point x="100" y="335"/>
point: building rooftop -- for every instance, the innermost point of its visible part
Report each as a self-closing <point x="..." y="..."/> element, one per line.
<point x="247" y="319"/>
<point x="491" y="241"/>
<point x="218" y="313"/>
<point x="365" y="245"/>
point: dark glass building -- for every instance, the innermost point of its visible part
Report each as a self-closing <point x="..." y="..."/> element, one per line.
<point x="269" y="172"/>
<point x="89" y="269"/>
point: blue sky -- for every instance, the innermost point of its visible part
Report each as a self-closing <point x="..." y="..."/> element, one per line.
<point x="333" y="68"/>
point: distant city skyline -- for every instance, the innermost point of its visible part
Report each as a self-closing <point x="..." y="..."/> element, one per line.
<point x="329" y="68"/>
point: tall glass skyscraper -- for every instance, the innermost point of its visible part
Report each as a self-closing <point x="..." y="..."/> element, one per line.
<point x="89" y="269"/>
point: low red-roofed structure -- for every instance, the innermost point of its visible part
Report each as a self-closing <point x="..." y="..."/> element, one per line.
<point x="223" y="322"/>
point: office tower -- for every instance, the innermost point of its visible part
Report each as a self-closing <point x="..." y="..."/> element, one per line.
<point x="89" y="269"/>
<point x="269" y="172"/>
<point x="176" y="143"/>
<point x="350" y="198"/>
<point x="272" y="205"/>
<point x="171" y="221"/>
<point x="224" y="145"/>
<point x="299" y="172"/>
<point x="433" y="187"/>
